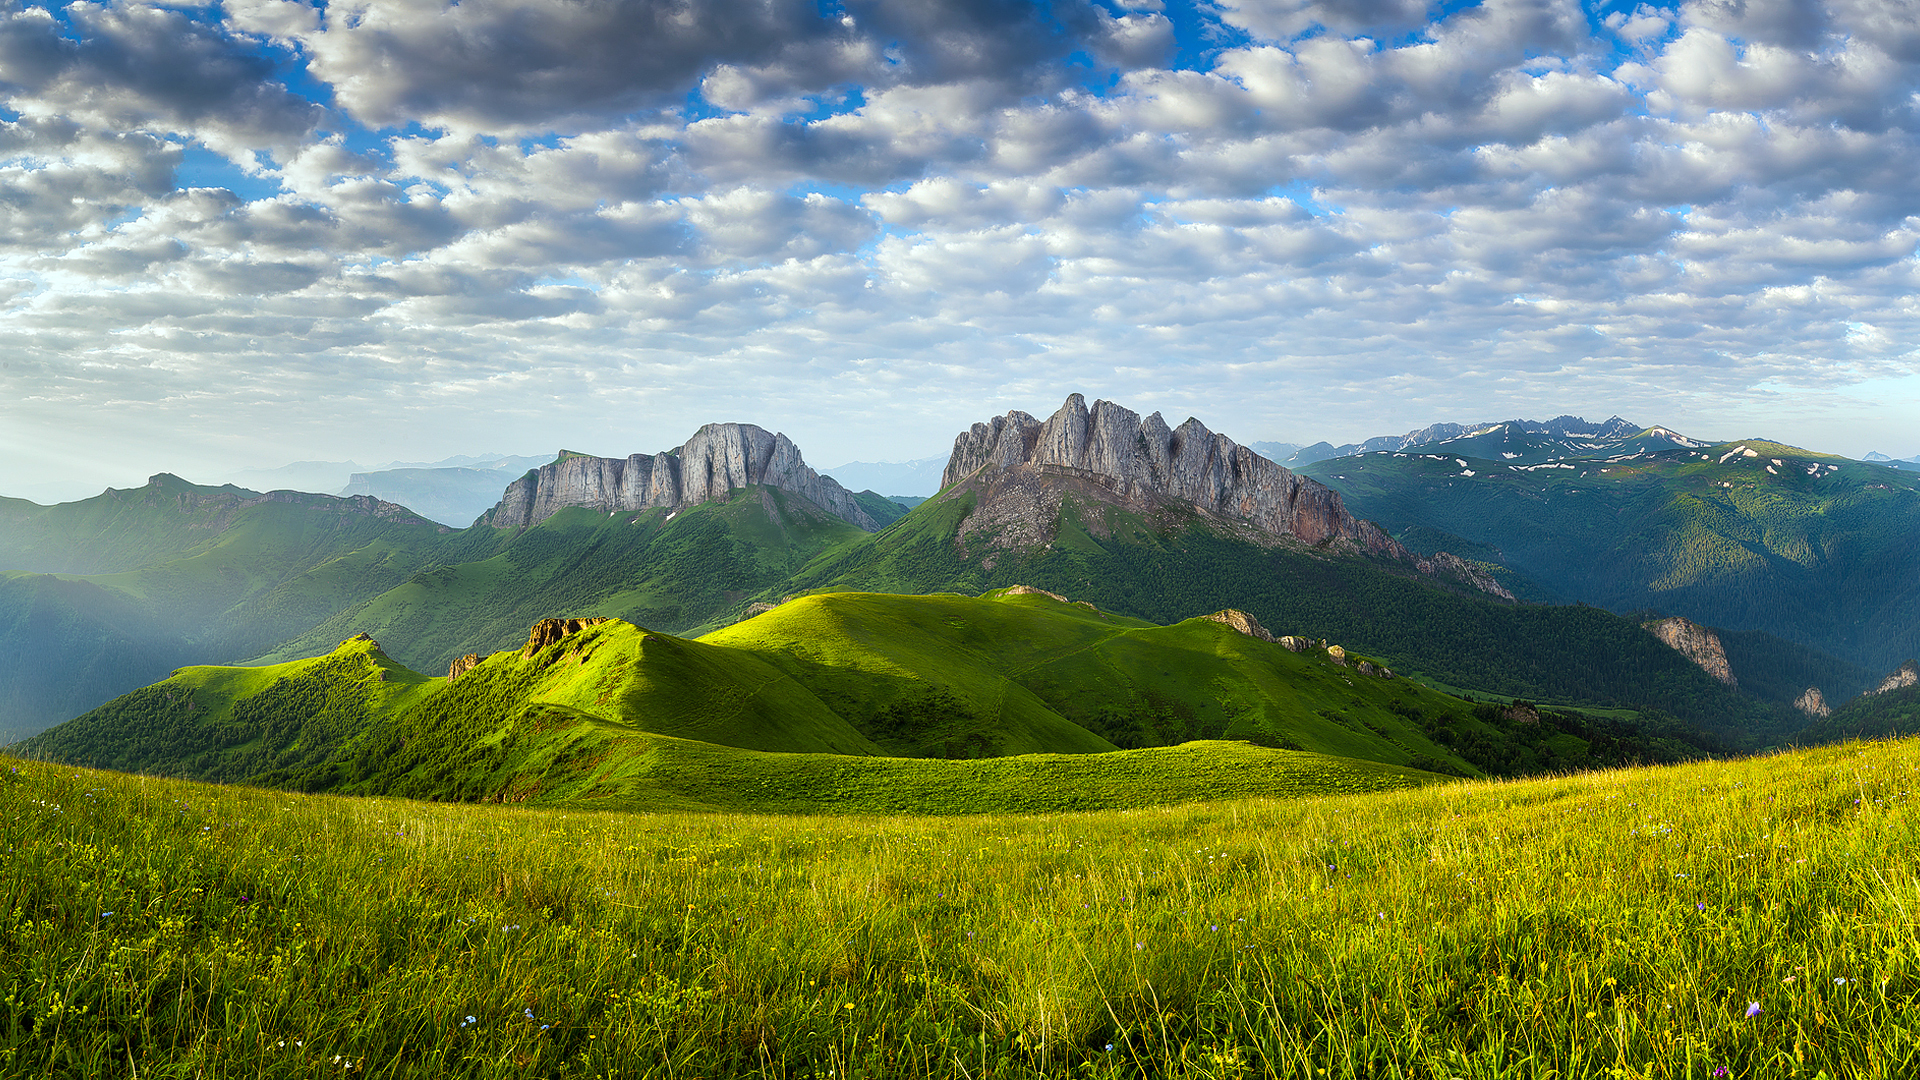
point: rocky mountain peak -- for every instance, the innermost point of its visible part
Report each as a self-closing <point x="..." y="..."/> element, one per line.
<point x="718" y="459"/>
<point x="1141" y="461"/>
<point x="1814" y="704"/>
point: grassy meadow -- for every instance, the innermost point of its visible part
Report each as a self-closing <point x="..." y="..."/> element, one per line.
<point x="1742" y="918"/>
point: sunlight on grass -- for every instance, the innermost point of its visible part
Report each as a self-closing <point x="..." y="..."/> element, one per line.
<point x="1611" y="924"/>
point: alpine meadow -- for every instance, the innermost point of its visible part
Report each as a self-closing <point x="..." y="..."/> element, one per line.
<point x="1373" y="540"/>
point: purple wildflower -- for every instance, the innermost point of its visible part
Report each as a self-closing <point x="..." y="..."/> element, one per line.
<point x="1753" y="1009"/>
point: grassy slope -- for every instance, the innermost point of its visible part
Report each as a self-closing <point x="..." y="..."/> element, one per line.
<point x="1020" y="662"/>
<point x="676" y="572"/>
<point x="1579" y="655"/>
<point x="1565" y="927"/>
<point x="1822" y="560"/>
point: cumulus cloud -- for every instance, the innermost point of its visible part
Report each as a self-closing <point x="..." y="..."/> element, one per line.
<point x="580" y="212"/>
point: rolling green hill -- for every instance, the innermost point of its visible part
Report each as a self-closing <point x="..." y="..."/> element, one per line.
<point x="603" y="709"/>
<point x="1751" y="536"/>
<point x="1173" y="568"/>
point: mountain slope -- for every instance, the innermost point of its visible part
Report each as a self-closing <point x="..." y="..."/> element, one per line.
<point x="177" y="573"/>
<point x="1747" y="535"/>
<point x="674" y="570"/>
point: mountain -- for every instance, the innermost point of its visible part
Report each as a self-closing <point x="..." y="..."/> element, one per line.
<point x="1911" y="464"/>
<point x="1022" y="470"/>
<point x="1744" y="536"/>
<point x="1088" y="505"/>
<point x="718" y="459"/>
<point x="450" y="494"/>
<point x="588" y="702"/>
<point x="336" y="476"/>
<point x="175" y="573"/>
<point x="1566" y="433"/>
<point x="1274" y="451"/>
<point x="917" y="478"/>
<point x="674" y="570"/>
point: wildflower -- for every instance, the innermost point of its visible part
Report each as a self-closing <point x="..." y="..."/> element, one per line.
<point x="1720" y="1071"/>
<point x="1753" y="1009"/>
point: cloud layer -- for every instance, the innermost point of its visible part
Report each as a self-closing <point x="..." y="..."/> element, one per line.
<point x="268" y="230"/>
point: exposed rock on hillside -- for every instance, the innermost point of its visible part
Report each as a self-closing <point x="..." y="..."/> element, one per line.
<point x="1905" y="675"/>
<point x="1814" y="704"/>
<point x="1143" y="462"/>
<point x="1242" y="622"/>
<point x="463" y="664"/>
<point x="547" y="631"/>
<point x="718" y="459"/>
<point x="1696" y="643"/>
<point x="1028" y="590"/>
<point x="1454" y="566"/>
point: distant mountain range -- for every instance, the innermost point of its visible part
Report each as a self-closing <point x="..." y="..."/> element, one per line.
<point x="918" y="478"/>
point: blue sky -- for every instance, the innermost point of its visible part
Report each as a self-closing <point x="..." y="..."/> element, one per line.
<point x="238" y="234"/>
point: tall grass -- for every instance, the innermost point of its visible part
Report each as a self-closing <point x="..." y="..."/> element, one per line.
<point x="1619" y="924"/>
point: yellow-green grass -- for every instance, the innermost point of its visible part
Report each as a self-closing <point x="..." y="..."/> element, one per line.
<point x="590" y="763"/>
<point x="1620" y="924"/>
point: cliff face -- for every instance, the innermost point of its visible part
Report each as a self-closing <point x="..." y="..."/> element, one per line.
<point x="1142" y="460"/>
<point x="1814" y="704"/>
<point x="1696" y="643"/>
<point x="1905" y="675"/>
<point x="718" y="459"/>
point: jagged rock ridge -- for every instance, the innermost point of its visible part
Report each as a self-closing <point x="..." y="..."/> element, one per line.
<point x="1696" y="643"/>
<point x="718" y="459"/>
<point x="1140" y="461"/>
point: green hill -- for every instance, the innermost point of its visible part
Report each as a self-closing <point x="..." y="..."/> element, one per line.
<point x="1175" y="566"/>
<point x="602" y="709"/>
<point x="1749" y="536"/>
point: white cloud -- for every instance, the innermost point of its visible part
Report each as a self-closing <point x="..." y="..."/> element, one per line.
<point x="513" y="210"/>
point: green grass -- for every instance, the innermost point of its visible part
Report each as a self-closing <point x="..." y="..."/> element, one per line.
<point x="1615" y="924"/>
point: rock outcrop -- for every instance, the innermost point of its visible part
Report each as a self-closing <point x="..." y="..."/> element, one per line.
<point x="1696" y="643"/>
<point x="1241" y="622"/>
<point x="1907" y="674"/>
<point x="1142" y="460"/>
<point x="548" y="631"/>
<point x="717" y="460"/>
<point x="1453" y="565"/>
<point x="1814" y="704"/>
<point x="461" y="665"/>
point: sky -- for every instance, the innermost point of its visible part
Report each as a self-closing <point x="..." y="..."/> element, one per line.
<point x="238" y="234"/>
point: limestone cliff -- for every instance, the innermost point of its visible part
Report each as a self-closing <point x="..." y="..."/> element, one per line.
<point x="718" y="459"/>
<point x="1814" y="704"/>
<point x="1142" y="463"/>
<point x="1696" y="643"/>
<point x="1905" y="675"/>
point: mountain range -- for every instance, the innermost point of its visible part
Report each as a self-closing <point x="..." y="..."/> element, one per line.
<point x="1142" y="519"/>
